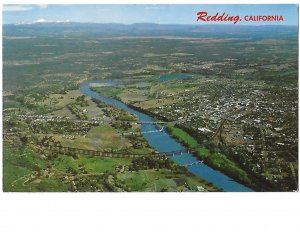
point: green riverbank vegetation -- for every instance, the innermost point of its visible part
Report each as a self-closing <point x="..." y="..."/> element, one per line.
<point x="211" y="157"/>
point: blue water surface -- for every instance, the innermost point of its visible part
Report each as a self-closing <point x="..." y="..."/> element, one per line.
<point x="161" y="141"/>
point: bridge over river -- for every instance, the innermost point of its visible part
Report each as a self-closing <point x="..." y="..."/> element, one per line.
<point x="116" y="154"/>
<point x="71" y="151"/>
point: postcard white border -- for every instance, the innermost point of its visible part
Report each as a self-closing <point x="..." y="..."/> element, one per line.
<point x="212" y="212"/>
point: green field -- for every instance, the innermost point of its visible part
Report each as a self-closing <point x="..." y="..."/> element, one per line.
<point x="27" y="171"/>
<point x="107" y="91"/>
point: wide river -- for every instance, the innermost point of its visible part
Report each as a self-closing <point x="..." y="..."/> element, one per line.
<point x="161" y="141"/>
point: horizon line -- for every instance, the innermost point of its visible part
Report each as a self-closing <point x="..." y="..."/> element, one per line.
<point x="129" y="24"/>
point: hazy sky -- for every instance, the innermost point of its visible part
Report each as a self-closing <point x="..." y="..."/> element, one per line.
<point x="127" y="14"/>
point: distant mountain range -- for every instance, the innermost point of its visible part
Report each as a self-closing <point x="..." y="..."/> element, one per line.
<point x="44" y="27"/>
